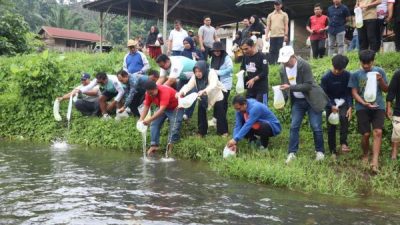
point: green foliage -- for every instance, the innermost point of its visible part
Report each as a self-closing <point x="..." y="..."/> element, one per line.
<point x="13" y="31"/>
<point x="31" y="82"/>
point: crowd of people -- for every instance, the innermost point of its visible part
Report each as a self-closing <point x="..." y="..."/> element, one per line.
<point x="208" y="72"/>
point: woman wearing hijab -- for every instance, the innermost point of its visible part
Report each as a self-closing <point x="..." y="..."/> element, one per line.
<point x="190" y="50"/>
<point x="210" y="92"/>
<point x="222" y="63"/>
<point x="154" y="42"/>
<point x="257" y="30"/>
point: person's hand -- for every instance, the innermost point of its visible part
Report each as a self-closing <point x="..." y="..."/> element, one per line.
<point x="389" y="113"/>
<point x="146" y="122"/>
<point x="363" y="6"/>
<point x="169" y="52"/>
<point x="371" y="106"/>
<point x="322" y="31"/>
<point x="201" y="93"/>
<point x="122" y="109"/>
<point x="231" y="143"/>
<point x="286" y="39"/>
<point x="378" y="77"/>
<point x="250" y="83"/>
<point x="285" y="87"/>
<point x="334" y="109"/>
<point x="203" y="49"/>
<point x="179" y="95"/>
<point x="59" y="99"/>
<point x="388" y="19"/>
<point x="233" y="148"/>
<point x="267" y="39"/>
<point x="349" y="113"/>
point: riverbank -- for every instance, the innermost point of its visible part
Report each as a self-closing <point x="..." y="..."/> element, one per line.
<point x="30" y="84"/>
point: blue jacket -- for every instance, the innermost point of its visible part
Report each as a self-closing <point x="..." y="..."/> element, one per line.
<point x="257" y="112"/>
<point x="136" y="63"/>
<point x="225" y="73"/>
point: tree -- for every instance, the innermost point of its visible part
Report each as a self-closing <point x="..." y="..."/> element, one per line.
<point x="62" y="17"/>
<point x="13" y="34"/>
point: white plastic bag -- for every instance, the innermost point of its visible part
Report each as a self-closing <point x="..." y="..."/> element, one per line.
<point x="279" y="99"/>
<point x="371" y="88"/>
<point x="122" y="115"/>
<point x="240" y="82"/>
<point x="358" y="17"/>
<point x="187" y="101"/>
<point x="254" y="38"/>
<point x="228" y="152"/>
<point x="69" y="112"/>
<point x="334" y="117"/>
<point x="141" y="127"/>
<point x="56" y="110"/>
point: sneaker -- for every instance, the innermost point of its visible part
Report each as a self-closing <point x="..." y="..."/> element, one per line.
<point x="319" y="156"/>
<point x="106" y="117"/>
<point x="185" y="117"/>
<point x="291" y="156"/>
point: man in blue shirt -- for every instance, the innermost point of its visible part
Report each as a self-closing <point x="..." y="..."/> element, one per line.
<point x="338" y="15"/>
<point x="253" y="118"/>
<point x="369" y="113"/>
<point x="135" y="61"/>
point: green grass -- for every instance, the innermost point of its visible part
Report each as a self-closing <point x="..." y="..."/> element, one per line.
<point x="345" y="177"/>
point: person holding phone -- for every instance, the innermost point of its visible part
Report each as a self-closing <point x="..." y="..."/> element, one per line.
<point x="369" y="113"/>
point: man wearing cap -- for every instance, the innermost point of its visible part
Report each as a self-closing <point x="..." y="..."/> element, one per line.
<point x="306" y="97"/>
<point x="277" y="29"/>
<point x="338" y="14"/>
<point x="112" y="89"/>
<point x="87" y="103"/>
<point x="135" y="61"/>
<point x="207" y="37"/>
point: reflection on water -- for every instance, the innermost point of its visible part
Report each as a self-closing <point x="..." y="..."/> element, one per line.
<point x="47" y="185"/>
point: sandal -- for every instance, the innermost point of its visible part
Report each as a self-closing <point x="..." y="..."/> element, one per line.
<point x="345" y="149"/>
<point x="374" y="169"/>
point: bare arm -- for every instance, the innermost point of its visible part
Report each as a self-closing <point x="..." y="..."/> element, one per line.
<point x="170" y="82"/>
<point x="169" y="45"/>
<point x="144" y="112"/>
<point x="390" y="11"/>
<point x="157" y="114"/>
<point x="357" y="97"/>
<point x="383" y="85"/>
<point x="93" y="92"/>
<point x="161" y="80"/>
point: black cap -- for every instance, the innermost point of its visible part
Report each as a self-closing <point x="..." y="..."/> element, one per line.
<point x="218" y="46"/>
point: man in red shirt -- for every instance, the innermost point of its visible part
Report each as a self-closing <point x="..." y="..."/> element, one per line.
<point x="317" y="26"/>
<point x="164" y="98"/>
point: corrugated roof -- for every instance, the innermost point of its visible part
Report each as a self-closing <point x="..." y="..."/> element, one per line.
<point x="56" y="32"/>
<point x="252" y="2"/>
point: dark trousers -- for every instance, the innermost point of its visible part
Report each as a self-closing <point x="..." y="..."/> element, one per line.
<point x="206" y="53"/>
<point x="87" y="108"/>
<point x="344" y="128"/>
<point x="220" y="115"/>
<point x="397" y="33"/>
<point x="275" y="44"/>
<point x="380" y="26"/>
<point x="367" y="36"/>
<point x="136" y="102"/>
<point x="260" y="97"/>
<point x="265" y="132"/>
<point x="318" y="48"/>
<point x="225" y="104"/>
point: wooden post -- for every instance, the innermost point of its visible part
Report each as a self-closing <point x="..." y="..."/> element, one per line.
<point x="101" y="31"/>
<point x="165" y="24"/>
<point x="129" y="19"/>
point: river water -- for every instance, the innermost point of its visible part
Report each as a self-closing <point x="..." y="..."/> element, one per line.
<point x="75" y="185"/>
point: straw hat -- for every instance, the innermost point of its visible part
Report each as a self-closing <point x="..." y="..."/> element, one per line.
<point x="132" y="43"/>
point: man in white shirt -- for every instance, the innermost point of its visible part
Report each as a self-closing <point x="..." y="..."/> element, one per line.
<point x="207" y="37"/>
<point x="175" y="40"/>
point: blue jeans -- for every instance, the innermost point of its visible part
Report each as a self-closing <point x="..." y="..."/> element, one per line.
<point x="175" y="121"/>
<point x="176" y="53"/>
<point x="354" y="44"/>
<point x="299" y="109"/>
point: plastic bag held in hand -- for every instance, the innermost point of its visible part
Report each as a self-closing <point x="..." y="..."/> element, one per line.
<point x="56" y="110"/>
<point x="334" y="117"/>
<point x="279" y="100"/>
<point x="228" y="152"/>
<point x="240" y="82"/>
<point x="358" y="17"/>
<point x="141" y="127"/>
<point x="187" y="101"/>
<point x="371" y="88"/>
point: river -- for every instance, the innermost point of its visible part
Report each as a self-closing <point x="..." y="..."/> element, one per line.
<point x="40" y="184"/>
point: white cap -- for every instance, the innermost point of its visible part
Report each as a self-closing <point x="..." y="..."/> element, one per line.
<point x="285" y="53"/>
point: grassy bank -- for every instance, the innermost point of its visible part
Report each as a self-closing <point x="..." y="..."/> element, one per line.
<point x="31" y="82"/>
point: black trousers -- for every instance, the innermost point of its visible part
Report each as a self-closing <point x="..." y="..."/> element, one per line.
<point x="275" y="44"/>
<point x="344" y="128"/>
<point x="206" y="53"/>
<point x="220" y="115"/>
<point x="87" y="108"/>
<point x="225" y="103"/>
<point x="318" y="48"/>
<point x="136" y="102"/>
<point x="367" y="36"/>
<point x="380" y="26"/>
<point x="265" y="132"/>
<point x="397" y="33"/>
